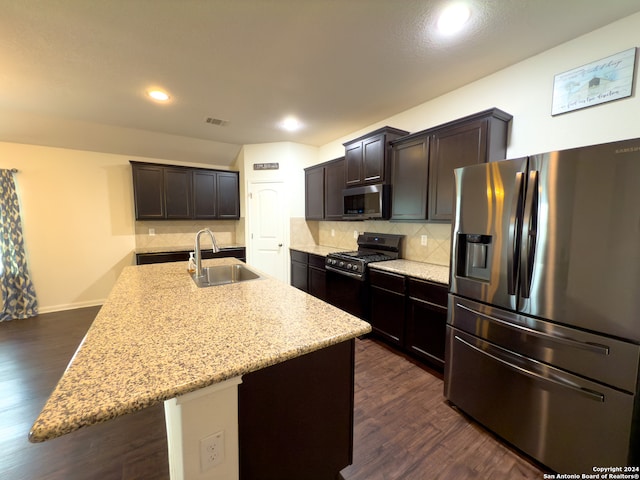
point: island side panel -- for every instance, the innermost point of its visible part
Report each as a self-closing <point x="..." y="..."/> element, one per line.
<point x="296" y="418"/>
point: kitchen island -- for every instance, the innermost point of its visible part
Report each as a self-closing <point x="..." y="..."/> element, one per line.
<point x="160" y="338"/>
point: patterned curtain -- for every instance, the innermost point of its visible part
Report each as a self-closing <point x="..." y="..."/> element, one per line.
<point x="18" y="294"/>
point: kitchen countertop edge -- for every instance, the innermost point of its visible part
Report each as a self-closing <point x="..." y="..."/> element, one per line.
<point x="137" y="338"/>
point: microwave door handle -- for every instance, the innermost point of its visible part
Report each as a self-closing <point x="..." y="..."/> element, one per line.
<point x="529" y="234"/>
<point x="513" y="260"/>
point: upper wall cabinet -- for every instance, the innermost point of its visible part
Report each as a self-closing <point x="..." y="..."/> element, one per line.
<point x="367" y="158"/>
<point x="323" y="190"/>
<point x="167" y="192"/>
<point x="423" y="163"/>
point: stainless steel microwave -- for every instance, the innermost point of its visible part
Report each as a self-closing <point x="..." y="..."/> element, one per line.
<point x="370" y="201"/>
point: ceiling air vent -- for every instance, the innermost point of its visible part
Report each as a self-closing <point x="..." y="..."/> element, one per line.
<point x="217" y="121"/>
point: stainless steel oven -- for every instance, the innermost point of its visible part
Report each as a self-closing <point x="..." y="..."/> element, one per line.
<point x="347" y="287"/>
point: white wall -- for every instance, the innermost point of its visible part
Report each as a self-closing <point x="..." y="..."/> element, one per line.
<point x="524" y="90"/>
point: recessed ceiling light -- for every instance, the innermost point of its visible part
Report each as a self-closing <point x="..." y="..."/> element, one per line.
<point x="453" y="18"/>
<point x="291" y="124"/>
<point x="158" y="95"/>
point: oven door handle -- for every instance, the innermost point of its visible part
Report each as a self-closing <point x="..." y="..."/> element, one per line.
<point x="357" y="276"/>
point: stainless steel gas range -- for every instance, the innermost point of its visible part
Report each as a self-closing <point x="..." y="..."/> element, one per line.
<point x="347" y="271"/>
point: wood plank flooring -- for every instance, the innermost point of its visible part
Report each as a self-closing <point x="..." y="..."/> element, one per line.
<point x="403" y="427"/>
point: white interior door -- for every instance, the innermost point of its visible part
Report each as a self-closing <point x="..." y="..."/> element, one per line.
<point x="268" y="217"/>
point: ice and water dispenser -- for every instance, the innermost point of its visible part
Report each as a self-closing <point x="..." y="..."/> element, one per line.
<point x="474" y="256"/>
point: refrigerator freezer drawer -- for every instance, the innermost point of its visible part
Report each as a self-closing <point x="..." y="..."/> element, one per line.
<point x="566" y="422"/>
<point x="590" y="355"/>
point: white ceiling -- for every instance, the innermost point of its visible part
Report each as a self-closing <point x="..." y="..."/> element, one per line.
<point x="73" y="73"/>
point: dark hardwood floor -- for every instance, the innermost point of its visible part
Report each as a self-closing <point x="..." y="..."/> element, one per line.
<point x="403" y="427"/>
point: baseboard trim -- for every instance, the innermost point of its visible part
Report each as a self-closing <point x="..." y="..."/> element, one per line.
<point x="70" y="306"/>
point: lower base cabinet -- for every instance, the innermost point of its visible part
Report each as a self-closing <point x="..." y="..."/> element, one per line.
<point x="410" y="314"/>
<point x="426" y="320"/>
<point x="183" y="256"/>
<point x="388" y="306"/>
<point x="308" y="273"/>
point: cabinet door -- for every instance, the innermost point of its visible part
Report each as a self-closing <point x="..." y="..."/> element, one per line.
<point x="148" y="191"/>
<point x="314" y="193"/>
<point x="353" y="164"/>
<point x="453" y="148"/>
<point x="334" y="183"/>
<point x="426" y="320"/>
<point x="409" y="176"/>
<point x="373" y="156"/>
<point x="177" y="187"/>
<point x="228" y="195"/>
<point x="388" y="306"/>
<point x="204" y="192"/>
<point x="317" y="282"/>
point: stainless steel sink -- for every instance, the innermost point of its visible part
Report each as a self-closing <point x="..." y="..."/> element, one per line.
<point x="224" y="274"/>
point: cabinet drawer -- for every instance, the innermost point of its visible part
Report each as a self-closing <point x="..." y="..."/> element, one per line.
<point x="428" y="291"/>
<point x="298" y="256"/>
<point x="388" y="281"/>
<point x="316" y="261"/>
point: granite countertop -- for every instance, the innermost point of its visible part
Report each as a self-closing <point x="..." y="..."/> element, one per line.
<point x="159" y="336"/>
<point x="424" y="271"/>
<point x="421" y="270"/>
<point x="317" y="249"/>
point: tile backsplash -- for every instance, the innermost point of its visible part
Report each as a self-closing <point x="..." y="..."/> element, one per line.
<point x="341" y="235"/>
<point x="175" y="233"/>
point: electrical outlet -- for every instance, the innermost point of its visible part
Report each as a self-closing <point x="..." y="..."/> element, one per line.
<point x="152" y="232"/>
<point x="423" y="240"/>
<point x="211" y="451"/>
<point x="333" y="232"/>
<point x="355" y="234"/>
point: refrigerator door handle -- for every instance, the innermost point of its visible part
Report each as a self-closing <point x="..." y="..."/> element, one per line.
<point x="593" y="395"/>
<point x="513" y="259"/>
<point x="529" y="234"/>
<point x="592" y="347"/>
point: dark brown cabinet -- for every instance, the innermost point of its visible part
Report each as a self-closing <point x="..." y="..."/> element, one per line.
<point x="323" y="190"/>
<point x="166" y="192"/>
<point x="426" y="320"/>
<point x="308" y="273"/>
<point x="295" y="419"/>
<point x="300" y="270"/>
<point x="149" y="191"/>
<point x="317" y="277"/>
<point x="423" y="163"/>
<point x="183" y="255"/>
<point x="314" y="193"/>
<point x="177" y="188"/>
<point x="410" y="314"/>
<point x="228" y="195"/>
<point x="388" y="305"/>
<point x="367" y="157"/>
<point x="205" y="194"/>
<point x="410" y="177"/>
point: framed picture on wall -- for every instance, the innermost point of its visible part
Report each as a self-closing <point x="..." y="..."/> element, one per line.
<point x="602" y="81"/>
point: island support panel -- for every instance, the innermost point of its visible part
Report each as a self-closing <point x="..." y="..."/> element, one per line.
<point x="296" y="417"/>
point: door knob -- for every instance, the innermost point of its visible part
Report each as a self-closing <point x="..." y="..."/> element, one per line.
<point x="279" y="244"/>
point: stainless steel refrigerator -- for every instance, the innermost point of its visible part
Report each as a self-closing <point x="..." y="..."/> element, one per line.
<point x="543" y="332"/>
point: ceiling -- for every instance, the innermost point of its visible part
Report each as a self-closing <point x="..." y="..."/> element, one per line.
<point x="73" y="73"/>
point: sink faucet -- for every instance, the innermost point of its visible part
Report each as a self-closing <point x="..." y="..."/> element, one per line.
<point x="198" y="253"/>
